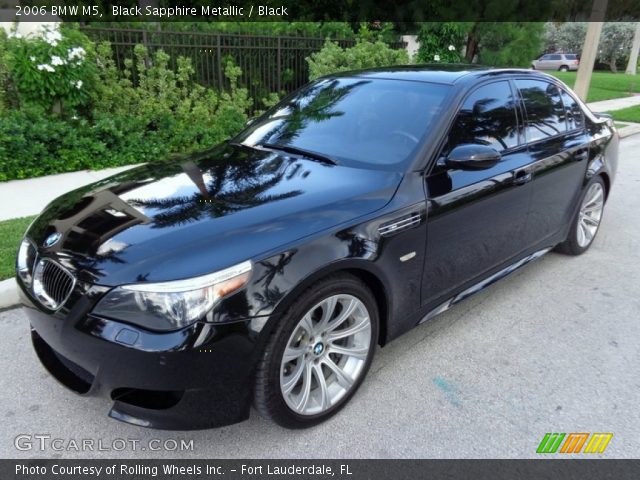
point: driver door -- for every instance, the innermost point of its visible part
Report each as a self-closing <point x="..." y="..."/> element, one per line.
<point x="476" y="218"/>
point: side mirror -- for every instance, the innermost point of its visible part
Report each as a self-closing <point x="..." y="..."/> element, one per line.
<point x="471" y="156"/>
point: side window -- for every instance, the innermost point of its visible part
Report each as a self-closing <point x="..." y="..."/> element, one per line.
<point x="545" y="57"/>
<point x="546" y="115"/>
<point x="555" y="57"/>
<point x="487" y="117"/>
<point x="575" y="117"/>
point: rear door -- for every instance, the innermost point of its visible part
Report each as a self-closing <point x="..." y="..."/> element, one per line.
<point x="476" y="219"/>
<point x="559" y="147"/>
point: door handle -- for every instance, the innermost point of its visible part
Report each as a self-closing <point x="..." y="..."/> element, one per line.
<point x="522" y="177"/>
<point x="581" y="155"/>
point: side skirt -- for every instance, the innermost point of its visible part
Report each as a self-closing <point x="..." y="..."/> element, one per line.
<point x="481" y="285"/>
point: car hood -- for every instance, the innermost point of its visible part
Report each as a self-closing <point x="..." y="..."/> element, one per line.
<point x="197" y="214"/>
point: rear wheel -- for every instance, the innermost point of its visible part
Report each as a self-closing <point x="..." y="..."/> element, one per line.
<point x="587" y="221"/>
<point x="564" y="68"/>
<point x="319" y="354"/>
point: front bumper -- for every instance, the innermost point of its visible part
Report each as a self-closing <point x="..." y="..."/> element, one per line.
<point x="199" y="377"/>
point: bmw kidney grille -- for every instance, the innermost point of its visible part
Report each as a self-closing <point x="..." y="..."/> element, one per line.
<point x="52" y="283"/>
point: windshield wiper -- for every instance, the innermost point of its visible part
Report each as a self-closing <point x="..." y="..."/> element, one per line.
<point x="300" y="151"/>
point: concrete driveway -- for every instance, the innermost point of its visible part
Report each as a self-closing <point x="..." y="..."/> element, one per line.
<point x="553" y="348"/>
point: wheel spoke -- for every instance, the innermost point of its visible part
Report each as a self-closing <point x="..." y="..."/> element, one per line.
<point x="343" y="379"/>
<point x="595" y="199"/>
<point x="344" y="315"/>
<point x="328" y="308"/>
<point x="587" y="232"/>
<point x="581" y="236"/>
<point x="325" y="401"/>
<point x="357" y="352"/>
<point x="590" y="221"/>
<point x="307" y="324"/>
<point x="291" y="353"/>
<point x="291" y="381"/>
<point x="359" y="326"/>
<point x="305" y="393"/>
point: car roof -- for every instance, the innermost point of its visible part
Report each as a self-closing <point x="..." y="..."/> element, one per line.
<point x="436" y="73"/>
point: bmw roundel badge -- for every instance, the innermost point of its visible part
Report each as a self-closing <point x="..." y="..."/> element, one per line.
<point x="52" y="239"/>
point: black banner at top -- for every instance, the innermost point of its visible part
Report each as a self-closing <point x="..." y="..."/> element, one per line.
<point x="317" y="10"/>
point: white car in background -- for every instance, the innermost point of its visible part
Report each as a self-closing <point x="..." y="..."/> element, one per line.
<point x="563" y="62"/>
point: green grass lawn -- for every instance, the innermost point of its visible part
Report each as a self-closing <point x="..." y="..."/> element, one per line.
<point x="11" y="232"/>
<point x="604" y="85"/>
<point x="630" y="114"/>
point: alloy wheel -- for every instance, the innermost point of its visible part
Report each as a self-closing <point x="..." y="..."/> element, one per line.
<point x="590" y="214"/>
<point x="325" y="354"/>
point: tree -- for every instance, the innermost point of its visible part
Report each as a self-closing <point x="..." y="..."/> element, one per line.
<point x="615" y="42"/>
<point x="632" y="65"/>
<point x="565" y="37"/>
<point x="510" y="44"/>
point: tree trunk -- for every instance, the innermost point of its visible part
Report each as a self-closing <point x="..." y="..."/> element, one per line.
<point x="612" y="64"/>
<point x="472" y="44"/>
<point x="632" y="66"/>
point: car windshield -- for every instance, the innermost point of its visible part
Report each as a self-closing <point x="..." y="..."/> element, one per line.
<point x="359" y="122"/>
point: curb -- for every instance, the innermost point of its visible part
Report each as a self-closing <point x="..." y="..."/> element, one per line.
<point x="629" y="130"/>
<point x="9" y="293"/>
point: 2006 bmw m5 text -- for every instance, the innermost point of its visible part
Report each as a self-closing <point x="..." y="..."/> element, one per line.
<point x="266" y="270"/>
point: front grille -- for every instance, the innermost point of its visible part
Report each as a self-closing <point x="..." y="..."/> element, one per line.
<point x="52" y="283"/>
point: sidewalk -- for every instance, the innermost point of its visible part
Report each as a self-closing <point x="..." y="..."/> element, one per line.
<point x="20" y="198"/>
<point x="614" y="104"/>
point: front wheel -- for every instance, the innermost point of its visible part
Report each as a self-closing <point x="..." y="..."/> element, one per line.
<point x="319" y="354"/>
<point x="587" y="221"/>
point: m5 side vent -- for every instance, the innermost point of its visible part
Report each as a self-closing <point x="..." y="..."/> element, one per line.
<point x="399" y="224"/>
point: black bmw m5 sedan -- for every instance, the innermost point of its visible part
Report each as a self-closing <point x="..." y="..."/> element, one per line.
<point x="267" y="269"/>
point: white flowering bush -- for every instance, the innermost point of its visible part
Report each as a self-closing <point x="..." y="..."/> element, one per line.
<point x="441" y="42"/>
<point x="53" y="70"/>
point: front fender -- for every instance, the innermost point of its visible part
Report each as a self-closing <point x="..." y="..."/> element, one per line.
<point x="391" y="265"/>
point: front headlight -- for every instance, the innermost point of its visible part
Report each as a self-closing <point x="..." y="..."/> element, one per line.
<point x="25" y="260"/>
<point x="172" y="305"/>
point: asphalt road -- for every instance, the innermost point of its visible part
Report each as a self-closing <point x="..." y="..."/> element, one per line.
<point x="553" y="348"/>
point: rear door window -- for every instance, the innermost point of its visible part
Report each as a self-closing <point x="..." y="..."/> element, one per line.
<point x="546" y="116"/>
<point x="575" y="117"/>
<point x="570" y="57"/>
<point x="555" y="57"/>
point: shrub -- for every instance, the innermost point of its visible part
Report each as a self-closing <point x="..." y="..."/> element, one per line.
<point x="332" y="58"/>
<point x="54" y="72"/>
<point x="162" y="112"/>
<point x="182" y="114"/>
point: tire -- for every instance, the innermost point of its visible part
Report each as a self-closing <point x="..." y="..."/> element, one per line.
<point x="577" y="243"/>
<point x="275" y="375"/>
<point x="564" y="68"/>
<point x="533" y="67"/>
